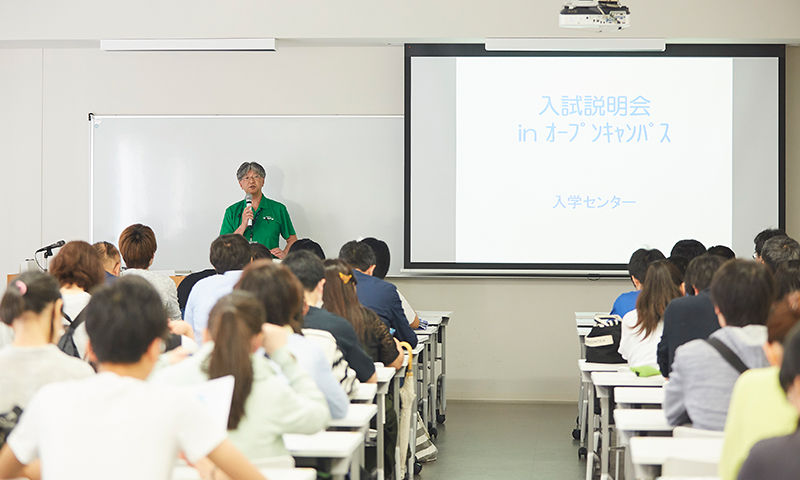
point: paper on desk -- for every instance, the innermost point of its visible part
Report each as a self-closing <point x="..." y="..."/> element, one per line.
<point x="215" y="395"/>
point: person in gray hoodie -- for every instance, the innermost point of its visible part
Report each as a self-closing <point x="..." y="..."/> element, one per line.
<point x="701" y="382"/>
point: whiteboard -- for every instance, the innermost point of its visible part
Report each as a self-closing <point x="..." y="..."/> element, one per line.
<point x="341" y="178"/>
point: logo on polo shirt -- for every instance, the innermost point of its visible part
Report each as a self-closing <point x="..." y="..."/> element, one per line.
<point x="268" y="218"/>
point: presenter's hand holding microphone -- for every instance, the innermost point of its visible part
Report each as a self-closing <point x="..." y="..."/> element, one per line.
<point x="247" y="215"/>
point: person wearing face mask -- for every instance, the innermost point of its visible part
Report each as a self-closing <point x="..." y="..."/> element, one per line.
<point x="263" y="220"/>
<point x="31" y="306"/>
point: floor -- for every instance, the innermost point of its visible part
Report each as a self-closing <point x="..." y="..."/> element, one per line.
<point x="506" y="441"/>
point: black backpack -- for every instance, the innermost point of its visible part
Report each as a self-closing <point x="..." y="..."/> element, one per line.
<point x="66" y="344"/>
<point x="602" y="342"/>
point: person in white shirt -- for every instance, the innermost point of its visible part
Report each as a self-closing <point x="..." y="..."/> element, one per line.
<point x="264" y="407"/>
<point x="122" y="427"/>
<point x="643" y="326"/>
<point x="229" y="255"/>
<point x="281" y="293"/>
<point x="79" y="269"/>
<point x="31" y="306"/>
<point x="137" y="244"/>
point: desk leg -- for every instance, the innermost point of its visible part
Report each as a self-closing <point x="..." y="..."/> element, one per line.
<point x="583" y="414"/>
<point x="444" y="366"/>
<point x="604" y="451"/>
<point x="425" y="382"/>
<point x="433" y="378"/>
<point x="590" y="431"/>
<point x="379" y="424"/>
<point x="396" y="403"/>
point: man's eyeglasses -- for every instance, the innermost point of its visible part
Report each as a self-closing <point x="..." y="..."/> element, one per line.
<point x="253" y="178"/>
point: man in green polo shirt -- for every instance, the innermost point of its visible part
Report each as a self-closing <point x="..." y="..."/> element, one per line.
<point x="270" y="219"/>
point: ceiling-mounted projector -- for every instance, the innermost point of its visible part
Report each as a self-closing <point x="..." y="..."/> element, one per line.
<point x="595" y="14"/>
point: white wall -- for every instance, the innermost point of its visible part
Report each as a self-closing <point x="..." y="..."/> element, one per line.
<point x="510" y="339"/>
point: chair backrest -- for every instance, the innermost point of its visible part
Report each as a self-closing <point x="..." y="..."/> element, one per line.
<point x="284" y="461"/>
<point x="677" y="467"/>
<point x="689" y="432"/>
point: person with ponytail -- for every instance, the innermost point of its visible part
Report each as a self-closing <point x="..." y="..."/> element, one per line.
<point x="339" y="297"/>
<point x="643" y="326"/>
<point x="264" y="407"/>
<point x="281" y="294"/>
<point x="31" y="306"/>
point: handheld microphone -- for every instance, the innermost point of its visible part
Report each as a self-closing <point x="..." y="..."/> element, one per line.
<point x="248" y="199"/>
<point x="58" y="244"/>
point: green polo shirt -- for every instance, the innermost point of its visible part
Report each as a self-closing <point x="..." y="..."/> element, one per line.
<point x="270" y="222"/>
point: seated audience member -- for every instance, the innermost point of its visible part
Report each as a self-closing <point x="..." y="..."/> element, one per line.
<point x="111" y="259"/>
<point x="229" y="254"/>
<point x="759" y="408"/>
<point x="642" y="327"/>
<point x="340" y="298"/>
<point x="101" y="436"/>
<point x="777" y="458"/>
<point x="788" y="279"/>
<point x="762" y="237"/>
<point x="382" y="261"/>
<point x="637" y="268"/>
<point x="687" y="248"/>
<point x="308" y="268"/>
<point x="779" y="250"/>
<point x="79" y="269"/>
<point x="188" y="283"/>
<point x="31" y="306"/>
<point x="282" y="296"/>
<point x="680" y="262"/>
<point x="702" y="379"/>
<point x="259" y="252"/>
<point x="137" y="244"/>
<point x="378" y="295"/>
<point x="264" y="407"/>
<point x="309" y="245"/>
<point x="722" y="251"/>
<point x="690" y="317"/>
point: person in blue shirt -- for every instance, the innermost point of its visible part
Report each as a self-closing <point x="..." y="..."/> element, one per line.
<point x="637" y="267"/>
<point x="378" y="295"/>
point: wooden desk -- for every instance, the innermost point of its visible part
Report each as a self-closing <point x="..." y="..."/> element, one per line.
<point x="649" y="453"/>
<point x="340" y="447"/>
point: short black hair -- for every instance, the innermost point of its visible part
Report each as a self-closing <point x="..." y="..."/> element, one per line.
<point x="358" y="254"/>
<point x="640" y="260"/>
<point x="306" y="266"/>
<point x="688" y="248"/>
<point x="790" y="367"/>
<point x="788" y="278"/>
<point x="259" y="251"/>
<point x="743" y="291"/>
<point x="765" y="235"/>
<point x="382" y="256"/>
<point x="779" y="250"/>
<point x="680" y="263"/>
<point x="123" y="319"/>
<point x="701" y="271"/>
<point x="310" y="245"/>
<point x="229" y="252"/>
<point x="721" y="251"/>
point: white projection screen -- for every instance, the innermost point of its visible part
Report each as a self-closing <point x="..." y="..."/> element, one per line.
<point x="564" y="164"/>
